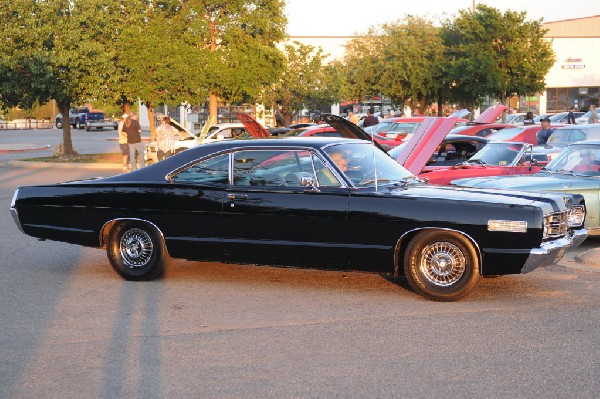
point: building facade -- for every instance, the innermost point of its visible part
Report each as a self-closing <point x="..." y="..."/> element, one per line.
<point x="574" y="80"/>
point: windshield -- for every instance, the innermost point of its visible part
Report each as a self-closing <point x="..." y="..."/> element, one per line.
<point x="506" y="134"/>
<point x="566" y="136"/>
<point x="404" y="127"/>
<point x="365" y="165"/>
<point x="382" y="127"/>
<point x="499" y="154"/>
<point x="577" y="159"/>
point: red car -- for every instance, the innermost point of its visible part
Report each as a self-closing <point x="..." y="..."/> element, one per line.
<point x="485" y="124"/>
<point x="325" y="130"/>
<point x="526" y="134"/>
<point x="494" y="159"/>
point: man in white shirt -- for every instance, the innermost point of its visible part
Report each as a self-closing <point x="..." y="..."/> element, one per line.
<point x="165" y="139"/>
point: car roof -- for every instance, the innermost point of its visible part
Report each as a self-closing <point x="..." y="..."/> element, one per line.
<point x="580" y="127"/>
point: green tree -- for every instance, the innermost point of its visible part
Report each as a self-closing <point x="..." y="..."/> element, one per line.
<point x="495" y="54"/>
<point x="399" y="60"/>
<point x="54" y="50"/>
<point x="306" y="82"/>
<point x="240" y="37"/>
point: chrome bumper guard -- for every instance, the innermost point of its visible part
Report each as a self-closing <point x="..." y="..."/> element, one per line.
<point x="552" y="251"/>
<point x="15" y="216"/>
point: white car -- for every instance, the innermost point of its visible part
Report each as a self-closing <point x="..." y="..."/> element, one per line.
<point x="584" y="118"/>
<point x="222" y="131"/>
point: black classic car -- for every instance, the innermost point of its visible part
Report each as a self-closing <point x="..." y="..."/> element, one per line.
<point x="318" y="202"/>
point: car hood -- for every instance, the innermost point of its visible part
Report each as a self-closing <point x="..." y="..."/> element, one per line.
<point x="182" y="130"/>
<point x="348" y="129"/>
<point x="417" y="151"/>
<point x="252" y="126"/>
<point x="491" y="114"/>
<point x="471" y="195"/>
<point x="537" y="181"/>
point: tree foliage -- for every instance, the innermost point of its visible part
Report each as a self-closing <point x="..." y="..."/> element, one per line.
<point x="305" y="82"/>
<point x="399" y="60"/>
<point x="495" y="54"/>
<point x="54" y="50"/>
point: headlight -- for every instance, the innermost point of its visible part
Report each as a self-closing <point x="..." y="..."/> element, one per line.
<point x="576" y="216"/>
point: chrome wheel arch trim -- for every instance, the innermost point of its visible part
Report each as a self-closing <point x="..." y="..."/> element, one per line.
<point x="119" y="220"/>
<point x="400" y="242"/>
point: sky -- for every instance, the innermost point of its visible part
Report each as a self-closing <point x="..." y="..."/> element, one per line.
<point x="350" y="17"/>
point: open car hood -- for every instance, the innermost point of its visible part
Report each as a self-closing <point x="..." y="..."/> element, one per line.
<point x="348" y="129"/>
<point x="418" y="150"/>
<point x="252" y="126"/>
<point x="182" y="130"/>
<point x="491" y="114"/>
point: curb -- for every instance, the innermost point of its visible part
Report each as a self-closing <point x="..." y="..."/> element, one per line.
<point x="58" y="165"/>
<point x="5" y="149"/>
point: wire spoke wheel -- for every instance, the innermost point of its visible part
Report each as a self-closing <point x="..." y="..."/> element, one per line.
<point x="136" y="251"/>
<point x="136" y="247"/>
<point x="442" y="263"/>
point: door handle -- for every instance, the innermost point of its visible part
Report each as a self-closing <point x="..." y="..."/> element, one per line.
<point x="238" y="197"/>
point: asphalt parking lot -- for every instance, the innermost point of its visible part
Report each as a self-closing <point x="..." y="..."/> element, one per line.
<point x="70" y="327"/>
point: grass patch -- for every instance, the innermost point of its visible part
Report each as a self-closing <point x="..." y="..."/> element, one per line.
<point x="82" y="158"/>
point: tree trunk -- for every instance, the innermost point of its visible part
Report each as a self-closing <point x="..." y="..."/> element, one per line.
<point x="213" y="107"/>
<point x="152" y="122"/>
<point x="66" y="128"/>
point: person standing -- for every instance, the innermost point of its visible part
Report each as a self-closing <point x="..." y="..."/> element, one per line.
<point x="571" y="116"/>
<point x="165" y="139"/>
<point x="352" y="117"/>
<point x="544" y="133"/>
<point x="134" y="139"/>
<point x="593" y="115"/>
<point x="123" y="146"/>
<point x="370" y="120"/>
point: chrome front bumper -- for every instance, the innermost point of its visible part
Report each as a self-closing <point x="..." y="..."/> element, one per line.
<point x="552" y="251"/>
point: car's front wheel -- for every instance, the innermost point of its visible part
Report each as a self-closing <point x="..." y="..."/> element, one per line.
<point x="78" y="124"/>
<point x="441" y="265"/>
<point x="136" y="251"/>
<point x="59" y="124"/>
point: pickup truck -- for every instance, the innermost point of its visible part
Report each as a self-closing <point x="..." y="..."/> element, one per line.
<point x="82" y="117"/>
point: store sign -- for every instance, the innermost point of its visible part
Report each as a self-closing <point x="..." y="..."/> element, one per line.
<point x="573" y="63"/>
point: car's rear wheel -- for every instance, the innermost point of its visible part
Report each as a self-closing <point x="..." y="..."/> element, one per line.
<point x="441" y="265"/>
<point x="136" y="251"/>
<point x="59" y="124"/>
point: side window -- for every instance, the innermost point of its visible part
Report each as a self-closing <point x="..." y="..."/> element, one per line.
<point x="210" y="171"/>
<point x="274" y="168"/>
<point x="325" y="177"/>
<point x="577" y="135"/>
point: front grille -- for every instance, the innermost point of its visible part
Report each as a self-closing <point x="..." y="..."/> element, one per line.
<point x="555" y="225"/>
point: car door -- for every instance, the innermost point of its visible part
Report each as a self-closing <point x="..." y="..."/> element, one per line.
<point x="271" y="210"/>
<point x="196" y="194"/>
